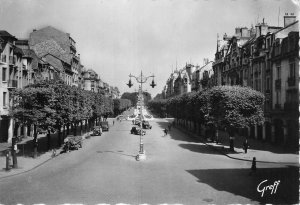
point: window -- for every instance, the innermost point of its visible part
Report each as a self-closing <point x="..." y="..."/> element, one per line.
<point x="4" y="99"/>
<point x="259" y="85"/>
<point x="4" y="74"/>
<point x="268" y="42"/>
<point x="292" y="69"/>
<point x="278" y="70"/>
<point x="268" y="83"/>
<point x="278" y="97"/>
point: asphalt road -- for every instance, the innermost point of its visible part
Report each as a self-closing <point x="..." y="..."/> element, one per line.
<point x="178" y="170"/>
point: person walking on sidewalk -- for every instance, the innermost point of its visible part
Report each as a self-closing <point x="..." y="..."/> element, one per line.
<point x="246" y="145"/>
<point x="166" y="131"/>
<point x="253" y="166"/>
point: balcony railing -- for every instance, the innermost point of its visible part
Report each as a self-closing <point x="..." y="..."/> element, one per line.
<point x="291" y="106"/>
<point x="12" y="84"/>
<point x="291" y="81"/>
<point x="278" y="84"/>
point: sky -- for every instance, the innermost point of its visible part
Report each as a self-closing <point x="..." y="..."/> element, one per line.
<point x="121" y="37"/>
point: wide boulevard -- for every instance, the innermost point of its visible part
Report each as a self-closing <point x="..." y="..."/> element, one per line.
<point x="178" y="170"/>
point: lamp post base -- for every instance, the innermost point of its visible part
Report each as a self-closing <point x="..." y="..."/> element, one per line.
<point x="141" y="156"/>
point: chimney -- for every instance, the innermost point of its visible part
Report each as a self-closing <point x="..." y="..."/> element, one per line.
<point x="288" y="19"/>
<point x="245" y="32"/>
<point x="238" y="32"/>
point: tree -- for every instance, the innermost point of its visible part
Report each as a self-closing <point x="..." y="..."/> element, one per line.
<point x="234" y="107"/>
<point x="121" y="105"/>
<point x="34" y="105"/>
<point x="130" y="96"/>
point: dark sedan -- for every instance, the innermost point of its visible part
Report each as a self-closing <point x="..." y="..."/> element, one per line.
<point x="137" y="131"/>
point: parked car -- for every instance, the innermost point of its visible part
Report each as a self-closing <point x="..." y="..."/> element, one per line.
<point x="104" y="125"/>
<point x="72" y="143"/>
<point x="97" y="131"/>
<point x="137" y="131"/>
<point x="146" y="125"/>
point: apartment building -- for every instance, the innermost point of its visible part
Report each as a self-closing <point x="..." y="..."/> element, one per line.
<point x="265" y="59"/>
<point x="55" y="45"/>
<point x="11" y="78"/>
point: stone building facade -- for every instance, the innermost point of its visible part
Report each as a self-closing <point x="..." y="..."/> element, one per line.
<point x="266" y="59"/>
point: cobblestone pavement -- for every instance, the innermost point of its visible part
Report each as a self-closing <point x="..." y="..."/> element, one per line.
<point x="178" y="170"/>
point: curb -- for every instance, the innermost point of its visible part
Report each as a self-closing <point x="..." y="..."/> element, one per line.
<point x="235" y="158"/>
<point x="40" y="164"/>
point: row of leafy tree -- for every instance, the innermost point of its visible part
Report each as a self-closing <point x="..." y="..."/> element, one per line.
<point x="55" y="106"/>
<point x="134" y="96"/>
<point x="120" y="105"/>
<point x="223" y="107"/>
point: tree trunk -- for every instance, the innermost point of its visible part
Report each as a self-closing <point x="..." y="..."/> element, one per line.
<point x="64" y="131"/>
<point x="59" y="136"/>
<point x="35" y="142"/>
<point x="68" y="129"/>
<point x="14" y="154"/>
<point x="48" y="139"/>
<point x="85" y="129"/>
<point x="81" y="125"/>
<point x="74" y="128"/>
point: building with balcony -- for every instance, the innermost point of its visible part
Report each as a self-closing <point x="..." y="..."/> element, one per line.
<point x="91" y="80"/>
<point x="267" y="60"/>
<point x="10" y="75"/>
<point x="202" y="77"/>
<point x="285" y="86"/>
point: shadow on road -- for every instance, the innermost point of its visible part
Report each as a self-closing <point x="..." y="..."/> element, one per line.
<point x="26" y="147"/>
<point x="119" y="152"/>
<point x="238" y="182"/>
<point x="254" y="144"/>
<point x="176" y="135"/>
<point x="204" y="149"/>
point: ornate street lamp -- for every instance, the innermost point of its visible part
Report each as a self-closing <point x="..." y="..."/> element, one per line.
<point x="141" y="79"/>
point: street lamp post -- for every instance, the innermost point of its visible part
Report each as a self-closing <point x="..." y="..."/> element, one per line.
<point x="141" y="79"/>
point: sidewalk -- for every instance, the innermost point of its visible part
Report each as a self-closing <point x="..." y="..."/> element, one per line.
<point x="263" y="151"/>
<point x="25" y="160"/>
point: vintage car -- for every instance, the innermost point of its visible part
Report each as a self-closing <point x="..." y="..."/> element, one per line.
<point x="97" y="131"/>
<point x="72" y="143"/>
<point x="137" y="131"/>
<point x="104" y="125"/>
<point x="146" y="125"/>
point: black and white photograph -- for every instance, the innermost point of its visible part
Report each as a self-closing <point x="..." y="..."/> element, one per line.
<point x="149" y="102"/>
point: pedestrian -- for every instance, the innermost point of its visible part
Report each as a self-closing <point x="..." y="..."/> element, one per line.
<point x="113" y="122"/>
<point x="246" y="145"/>
<point x="253" y="166"/>
<point x="166" y="131"/>
<point x="231" y="145"/>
